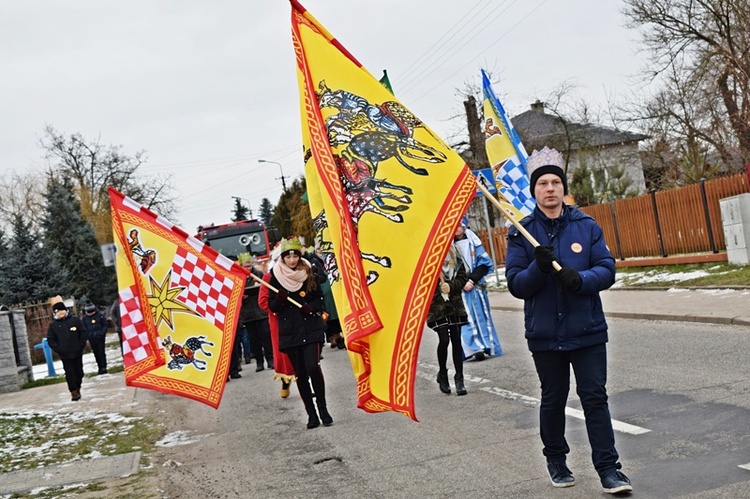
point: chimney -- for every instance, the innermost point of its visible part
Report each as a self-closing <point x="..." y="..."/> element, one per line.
<point x="538" y="106"/>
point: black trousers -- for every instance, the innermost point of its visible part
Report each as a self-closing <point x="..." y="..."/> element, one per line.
<point x="73" y="372"/>
<point x="590" y="368"/>
<point x="306" y="362"/>
<point x="260" y="340"/>
<point x="450" y="333"/>
<point x="97" y="346"/>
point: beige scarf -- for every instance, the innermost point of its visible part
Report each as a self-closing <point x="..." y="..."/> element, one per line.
<point x="291" y="279"/>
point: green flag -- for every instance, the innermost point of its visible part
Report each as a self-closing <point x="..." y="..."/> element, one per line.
<point x="386" y="82"/>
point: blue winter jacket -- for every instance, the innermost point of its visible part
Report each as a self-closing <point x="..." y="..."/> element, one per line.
<point x="556" y="319"/>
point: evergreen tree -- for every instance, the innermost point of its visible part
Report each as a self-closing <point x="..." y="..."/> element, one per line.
<point x="292" y="214"/>
<point x="28" y="271"/>
<point x="266" y="211"/>
<point x="72" y="239"/>
<point x="3" y="257"/>
<point x="240" y="211"/>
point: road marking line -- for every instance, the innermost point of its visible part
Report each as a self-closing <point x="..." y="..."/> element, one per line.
<point x="744" y="466"/>
<point x="534" y="402"/>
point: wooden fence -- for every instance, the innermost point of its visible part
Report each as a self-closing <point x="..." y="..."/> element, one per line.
<point x="686" y="224"/>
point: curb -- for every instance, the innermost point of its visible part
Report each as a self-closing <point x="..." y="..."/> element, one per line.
<point x="703" y="319"/>
<point x="59" y="475"/>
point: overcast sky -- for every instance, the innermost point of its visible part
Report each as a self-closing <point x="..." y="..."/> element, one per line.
<point x="208" y="88"/>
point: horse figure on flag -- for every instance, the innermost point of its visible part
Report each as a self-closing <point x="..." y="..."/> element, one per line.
<point x="329" y="257"/>
<point x="183" y="355"/>
<point x="374" y="133"/>
<point x="364" y="193"/>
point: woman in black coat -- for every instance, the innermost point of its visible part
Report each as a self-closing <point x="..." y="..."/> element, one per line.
<point x="446" y="316"/>
<point x="301" y="329"/>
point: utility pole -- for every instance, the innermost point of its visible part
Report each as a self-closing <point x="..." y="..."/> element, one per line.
<point x="283" y="182"/>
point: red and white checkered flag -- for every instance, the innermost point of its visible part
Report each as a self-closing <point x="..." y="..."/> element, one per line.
<point x="135" y="344"/>
<point x="205" y="292"/>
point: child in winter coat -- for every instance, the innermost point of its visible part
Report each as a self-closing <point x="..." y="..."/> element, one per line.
<point x="67" y="337"/>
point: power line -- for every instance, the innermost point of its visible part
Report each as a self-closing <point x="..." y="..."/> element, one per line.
<point x="412" y="70"/>
<point x="455" y="49"/>
<point x="489" y="46"/>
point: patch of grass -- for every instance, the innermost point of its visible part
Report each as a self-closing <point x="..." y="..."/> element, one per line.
<point x="44" y="382"/>
<point x="32" y="439"/>
<point x="61" y="378"/>
<point x="116" y="369"/>
<point x="684" y="276"/>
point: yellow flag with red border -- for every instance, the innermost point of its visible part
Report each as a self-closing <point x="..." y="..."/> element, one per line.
<point x="386" y="195"/>
<point x="179" y="305"/>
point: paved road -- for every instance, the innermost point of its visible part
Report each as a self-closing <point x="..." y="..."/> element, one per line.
<point x="679" y="394"/>
<point x="707" y="305"/>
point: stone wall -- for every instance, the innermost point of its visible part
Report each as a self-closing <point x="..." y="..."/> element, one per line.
<point x="14" y="372"/>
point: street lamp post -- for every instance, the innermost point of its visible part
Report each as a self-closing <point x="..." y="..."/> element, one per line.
<point x="283" y="182"/>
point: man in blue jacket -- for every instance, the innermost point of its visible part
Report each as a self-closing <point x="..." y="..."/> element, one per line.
<point x="564" y="320"/>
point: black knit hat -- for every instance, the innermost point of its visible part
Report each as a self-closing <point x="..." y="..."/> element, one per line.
<point x="545" y="161"/>
<point x="555" y="170"/>
<point x="59" y="306"/>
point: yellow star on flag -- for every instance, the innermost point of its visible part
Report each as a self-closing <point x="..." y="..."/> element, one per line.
<point x="162" y="301"/>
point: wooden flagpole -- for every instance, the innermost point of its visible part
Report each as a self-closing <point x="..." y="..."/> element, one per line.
<point x="272" y="288"/>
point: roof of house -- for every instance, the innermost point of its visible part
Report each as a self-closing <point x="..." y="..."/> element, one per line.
<point x="537" y="128"/>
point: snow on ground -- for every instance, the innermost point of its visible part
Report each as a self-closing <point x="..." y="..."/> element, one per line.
<point x="29" y="435"/>
<point x="114" y="358"/>
<point x="496" y="280"/>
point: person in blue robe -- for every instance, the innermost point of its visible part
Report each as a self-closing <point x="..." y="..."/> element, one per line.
<point x="479" y="337"/>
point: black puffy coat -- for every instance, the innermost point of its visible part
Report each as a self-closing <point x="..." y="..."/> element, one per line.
<point x="67" y="337"/>
<point x="453" y="310"/>
<point x="250" y="310"/>
<point x="95" y="325"/>
<point x="297" y="328"/>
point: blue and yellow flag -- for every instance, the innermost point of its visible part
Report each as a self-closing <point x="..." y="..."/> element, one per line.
<point x="179" y="305"/>
<point x="506" y="154"/>
<point x="386" y="195"/>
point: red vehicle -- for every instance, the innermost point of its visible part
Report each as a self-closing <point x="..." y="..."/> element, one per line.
<point x="245" y="236"/>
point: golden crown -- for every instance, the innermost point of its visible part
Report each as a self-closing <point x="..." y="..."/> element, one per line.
<point x="291" y="244"/>
<point x="544" y="157"/>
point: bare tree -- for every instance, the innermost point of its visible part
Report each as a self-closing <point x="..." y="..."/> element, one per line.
<point x="701" y="55"/>
<point x="93" y="167"/>
<point x="21" y="194"/>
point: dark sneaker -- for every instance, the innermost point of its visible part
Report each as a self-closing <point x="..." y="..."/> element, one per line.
<point x="616" y="482"/>
<point x="560" y="475"/>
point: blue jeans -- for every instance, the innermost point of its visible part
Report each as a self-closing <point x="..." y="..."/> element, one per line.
<point x="245" y="340"/>
<point x="590" y="369"/>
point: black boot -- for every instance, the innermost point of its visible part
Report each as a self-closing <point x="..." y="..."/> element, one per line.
<point x="269" y="363"/>
<point x="312" y="417"/>
<point x="460" y="388"/>
<point x="442" y="379"/>
<point x="259" y="360"/>
<point x="323" y="410"/>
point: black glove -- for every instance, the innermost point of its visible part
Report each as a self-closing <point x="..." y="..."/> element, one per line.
<point x="478" y="273"/>
<point x="544" y="257"/>
<point x="306" y="309"/>
<point x="570" y="278"/>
